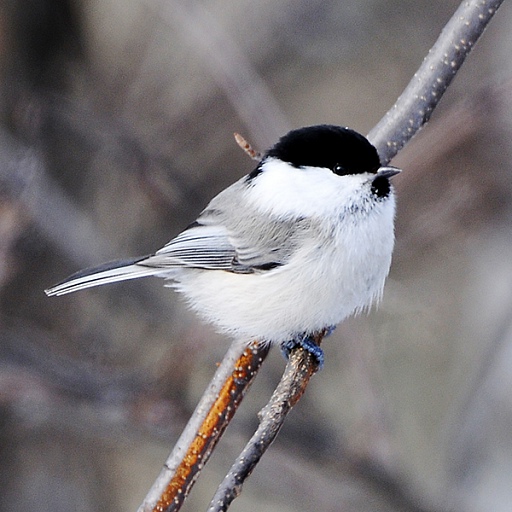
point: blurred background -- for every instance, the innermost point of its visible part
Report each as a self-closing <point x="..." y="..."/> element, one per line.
<point x="116" y="129"/>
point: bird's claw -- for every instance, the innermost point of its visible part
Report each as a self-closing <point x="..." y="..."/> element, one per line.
<point x="308" y="344"/>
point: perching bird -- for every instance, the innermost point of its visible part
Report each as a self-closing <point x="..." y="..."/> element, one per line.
<point x="291" y="249"/>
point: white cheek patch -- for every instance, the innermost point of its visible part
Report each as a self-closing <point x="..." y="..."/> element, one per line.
<point x="291" y="192"/>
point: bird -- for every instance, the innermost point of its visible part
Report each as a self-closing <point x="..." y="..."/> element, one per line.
<point x="291" y="249"/>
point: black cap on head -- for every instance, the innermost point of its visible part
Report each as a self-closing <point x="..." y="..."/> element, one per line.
<point x="342" y="150"/>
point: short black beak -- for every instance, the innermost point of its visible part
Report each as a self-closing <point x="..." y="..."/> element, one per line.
<point x="388" y="171"/>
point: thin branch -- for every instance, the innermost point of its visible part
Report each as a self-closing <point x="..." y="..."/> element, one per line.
<point x="206" y="426"/>
<point x="300" y="368"/>
<point x="412" y="110"/>
<point x="248" y="149"/>
<point x="415" y="105"/>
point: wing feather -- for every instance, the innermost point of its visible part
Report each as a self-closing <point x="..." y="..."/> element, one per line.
<point x="246" y="243"/>
<point x="209" y="243"/>
<point x="200" y="246"/>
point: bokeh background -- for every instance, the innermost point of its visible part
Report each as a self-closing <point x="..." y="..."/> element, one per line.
<point x="116" y="129"/>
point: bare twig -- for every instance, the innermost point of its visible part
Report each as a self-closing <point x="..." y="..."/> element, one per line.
<point x="415" y="105"/>
<point x="206" y="426"/>
<point x="399" y="125"/>
<point x="248" y="149"/>
<point x="300" y="368"/>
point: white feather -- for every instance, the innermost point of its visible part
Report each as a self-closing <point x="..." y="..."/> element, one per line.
<point x="340" y="270"/>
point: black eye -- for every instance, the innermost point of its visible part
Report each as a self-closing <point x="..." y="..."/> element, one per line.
<point x="339" y="170"/>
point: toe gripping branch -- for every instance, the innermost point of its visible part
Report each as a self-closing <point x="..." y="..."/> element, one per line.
<point x="310" y="343"/>
<point x="180" y="473"/>
<point x="304" y="359"/>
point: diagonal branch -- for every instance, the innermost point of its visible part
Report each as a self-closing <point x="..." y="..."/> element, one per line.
<point x="230" y="68"/>
<point x="411" y="111"/>
<point x="415" y="105"/>
<point x="205" y="427"/>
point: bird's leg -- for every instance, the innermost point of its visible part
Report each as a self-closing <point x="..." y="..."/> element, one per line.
<point x="308" y="343"/>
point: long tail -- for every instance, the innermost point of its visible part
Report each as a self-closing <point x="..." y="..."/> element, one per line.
<point x="111" y="272"/>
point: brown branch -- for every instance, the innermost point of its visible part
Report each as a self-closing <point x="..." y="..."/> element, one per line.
<point x="205" y="428"/>
<point x="300" y="368"/>
<point x="248" y="149"/>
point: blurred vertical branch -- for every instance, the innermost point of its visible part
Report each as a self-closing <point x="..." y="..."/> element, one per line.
<point x="247" y="92"/>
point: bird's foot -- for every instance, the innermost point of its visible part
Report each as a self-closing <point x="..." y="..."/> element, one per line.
<point x="307" y="343"/>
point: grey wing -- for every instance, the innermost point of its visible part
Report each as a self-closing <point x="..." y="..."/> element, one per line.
<point x="242" y="242"/>
<point x="253" y="245"/>
<point x="199" y="246"/>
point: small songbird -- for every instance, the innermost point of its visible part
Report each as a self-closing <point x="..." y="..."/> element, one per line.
<point x="291" y="249"/>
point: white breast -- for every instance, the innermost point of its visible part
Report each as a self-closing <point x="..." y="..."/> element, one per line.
<point x="340" y="269"/>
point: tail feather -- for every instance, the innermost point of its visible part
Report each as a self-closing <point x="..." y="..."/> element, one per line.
<point x="111" y="272"/>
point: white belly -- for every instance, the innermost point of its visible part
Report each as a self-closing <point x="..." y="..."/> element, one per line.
<point x="320" y="286"/>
